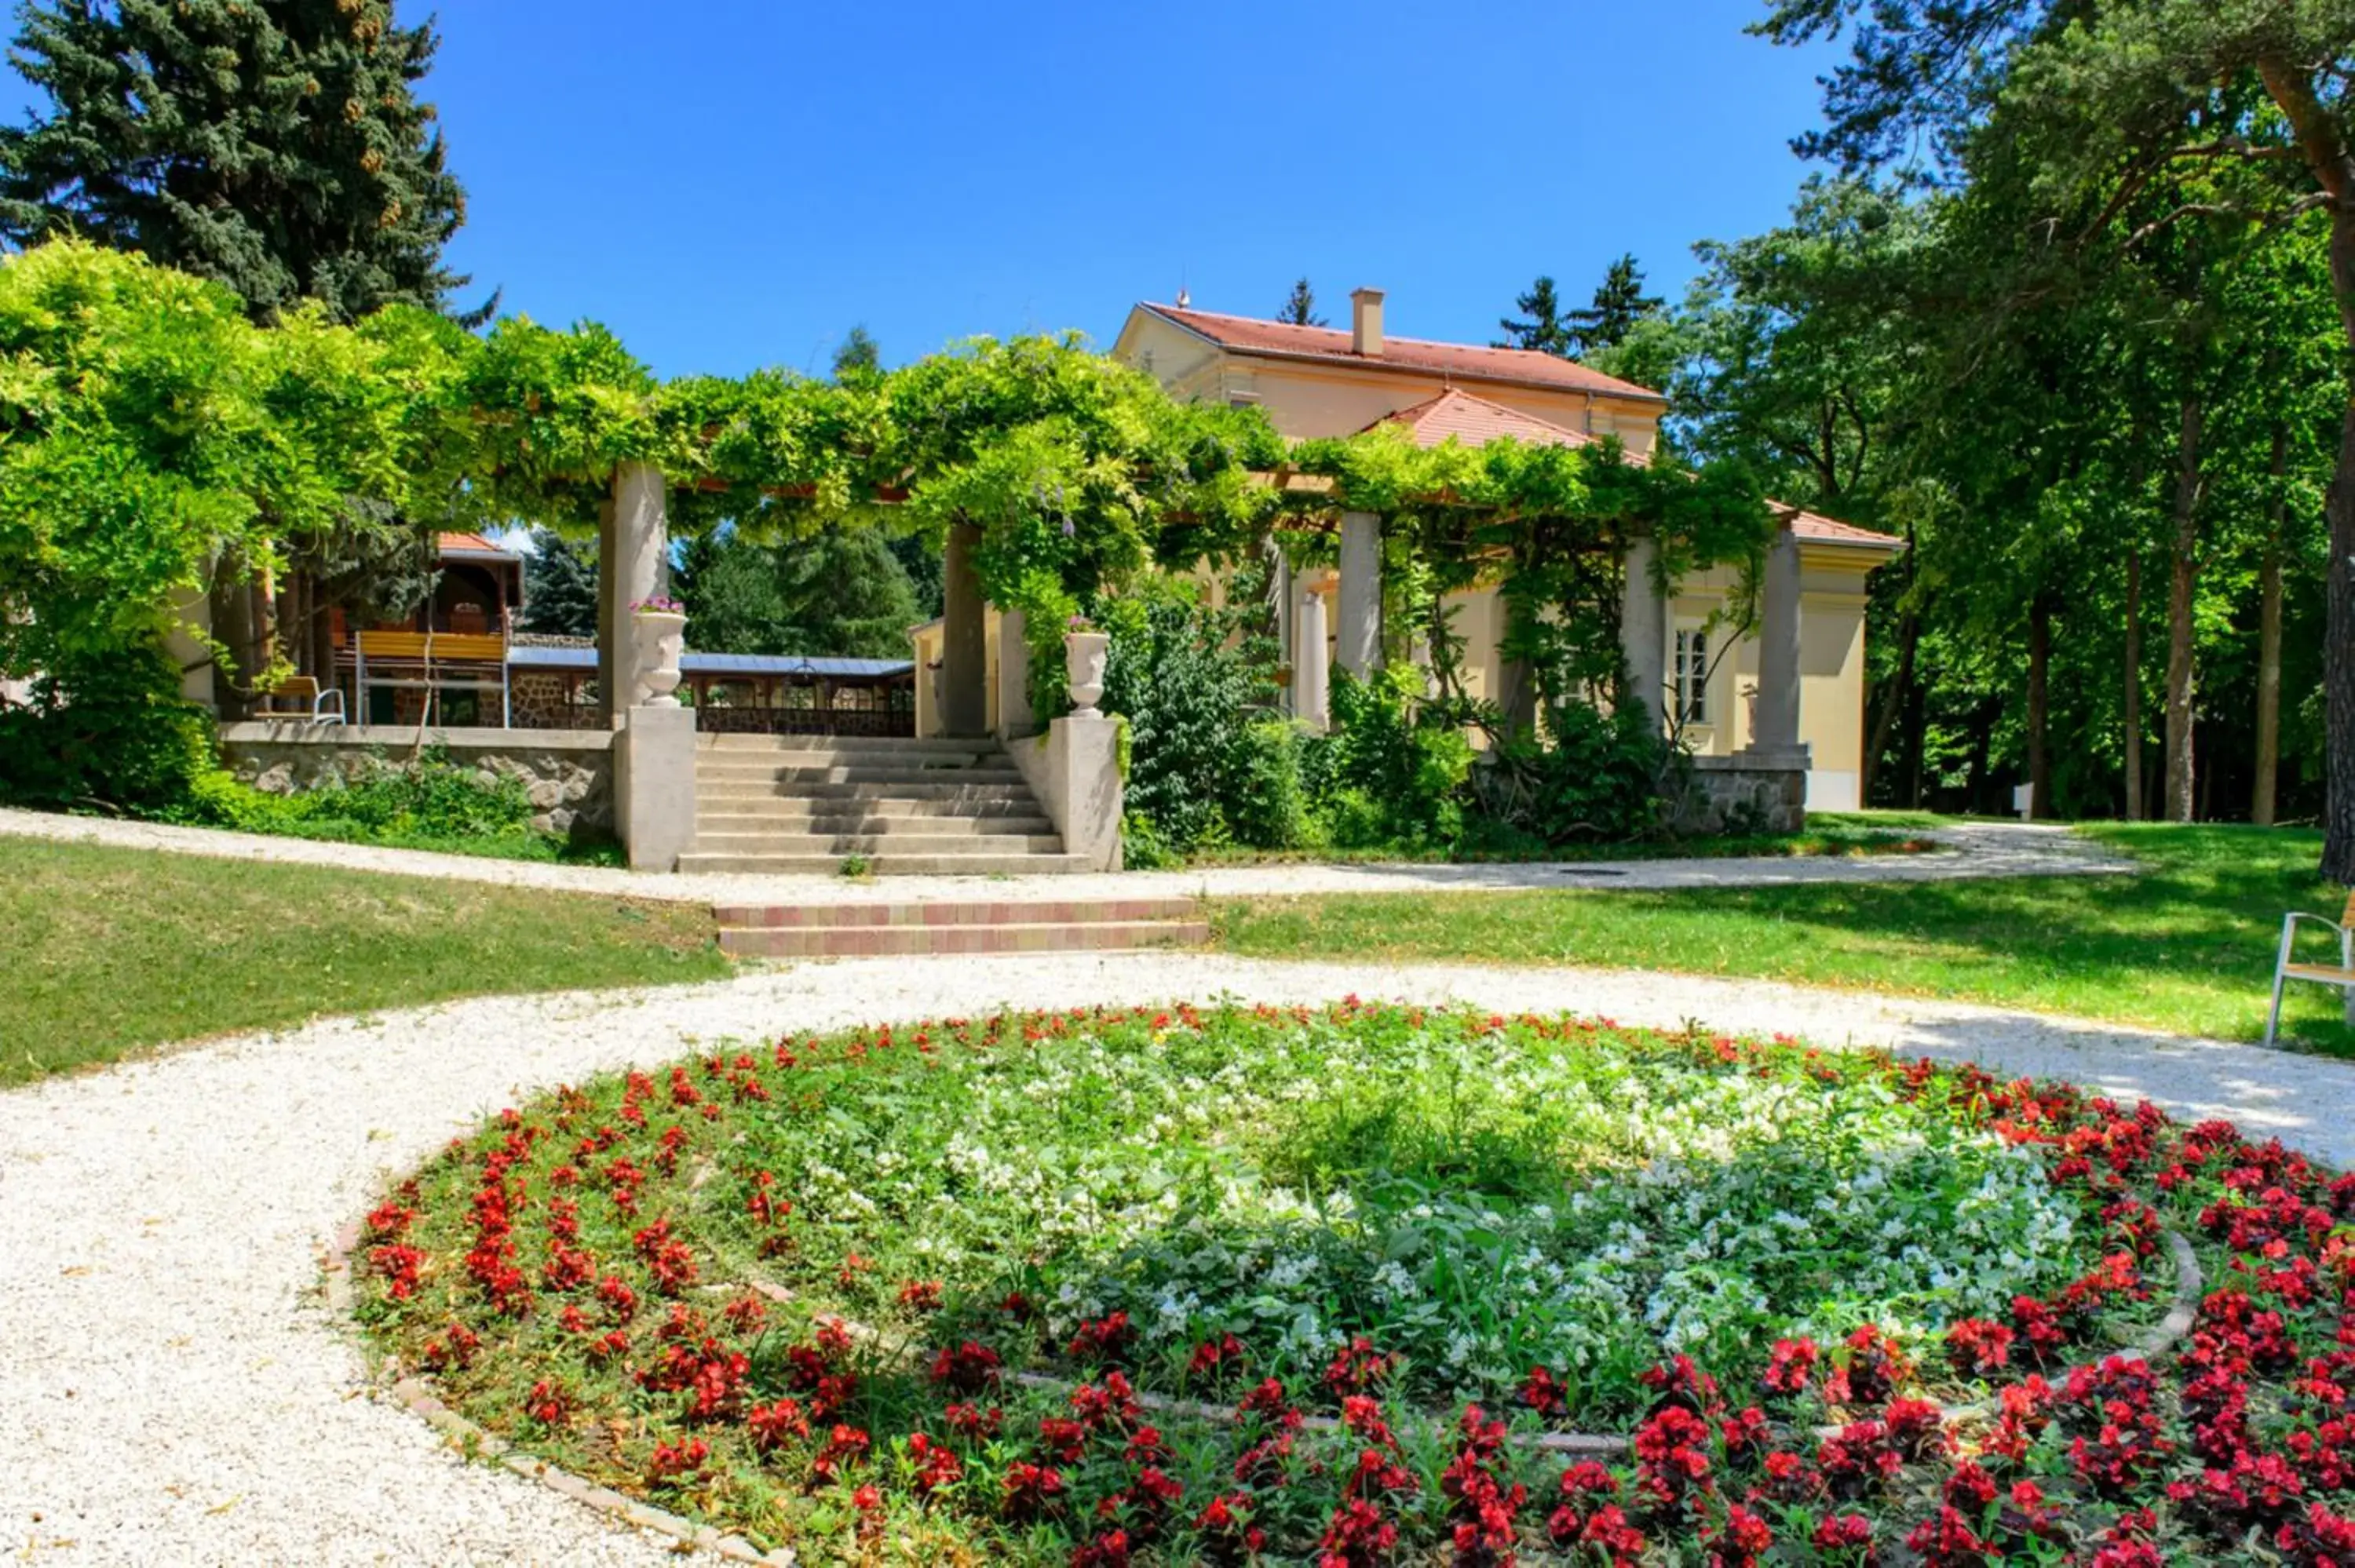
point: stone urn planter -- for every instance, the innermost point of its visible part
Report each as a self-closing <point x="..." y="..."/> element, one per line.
<point x="1083" y="662"/>
<point x="662" y="636"/>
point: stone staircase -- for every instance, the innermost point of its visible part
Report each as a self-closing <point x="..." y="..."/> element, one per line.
<point x="808" y="803"/>
<point x="869" y="930"/>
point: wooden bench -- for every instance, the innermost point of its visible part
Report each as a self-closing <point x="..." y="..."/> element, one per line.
<point x="432" y="662"/>
<point x="2341" y="974"/>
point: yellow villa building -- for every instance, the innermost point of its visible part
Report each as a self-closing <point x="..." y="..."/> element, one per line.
<point x="1789" y="695"/>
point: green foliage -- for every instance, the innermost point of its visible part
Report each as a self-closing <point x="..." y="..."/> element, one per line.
<point x="1188" y="687"/>
<point x="280" y="149"/>
<point x="110" y="731"/>
<point x="560" y="587"/>
<point x="1543" y="330"/>
<point x="1393" y="773"/>
<point x="1597" y="778"/>
<point x="840" y="591"/>
<point x="1619" y="304"/>
<point x="429" y="802"/>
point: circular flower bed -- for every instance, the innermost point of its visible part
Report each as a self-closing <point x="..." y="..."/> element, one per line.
<point x="1330" y="1286"/>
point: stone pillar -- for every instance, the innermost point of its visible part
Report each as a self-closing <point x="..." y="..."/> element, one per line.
<point x="1643" y="632"/>
<point x="641" y="534"/>
<point x="655" y="786"/>
<point x="964" y="639"/>
<point x="612" y="703"/>
<point x="1014" y="715"/>
<point x="1280" y="597"/>
<point x="1074" y="771"/>
<point x="1310" y="702"/>
<point x="1776" y="729"/>
<point x="1360" y="607"/>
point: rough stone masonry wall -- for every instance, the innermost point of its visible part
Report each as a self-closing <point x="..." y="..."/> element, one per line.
<point x="568" y="774"/>
<point x="1726" y="796"/>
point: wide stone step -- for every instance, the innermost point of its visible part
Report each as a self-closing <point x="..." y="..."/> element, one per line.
<point x="847" y="744"/>
<point x="897" y="863"/>
<point x="874" y="844"/>
<point x="1044" y="936"/>
<point x="958" y="912"/>
<point x="711" y="826"/>
<point x="707" y="773"/>
<point x="772" y="807"/>
<point x="715" y="794"/>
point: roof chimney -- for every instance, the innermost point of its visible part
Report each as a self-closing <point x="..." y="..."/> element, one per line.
<point x="1366" y="323"/>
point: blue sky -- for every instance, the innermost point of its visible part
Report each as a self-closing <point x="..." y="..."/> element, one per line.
<point x="734" y="183"/>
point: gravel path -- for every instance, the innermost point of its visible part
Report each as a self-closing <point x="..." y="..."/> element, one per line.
<point x="1974" y="850"/>
<point x="171" y="1391"/>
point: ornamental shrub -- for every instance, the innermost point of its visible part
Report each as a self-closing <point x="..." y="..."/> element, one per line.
<point x="1596" y="778"/>
<point x="1204" y="768"/>
<point x="107" y="731"/>
<point x="1392" y="772"/>
<point x="429" y="801"/>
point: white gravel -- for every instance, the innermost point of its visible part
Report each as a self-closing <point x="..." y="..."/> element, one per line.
<point x="171" y="1391"/>
<point x="1976" y="849"/>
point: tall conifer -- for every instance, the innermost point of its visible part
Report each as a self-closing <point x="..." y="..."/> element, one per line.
<point x="277" y="145"/>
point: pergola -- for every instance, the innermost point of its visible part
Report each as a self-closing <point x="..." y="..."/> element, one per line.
<point x="633" y="560"/>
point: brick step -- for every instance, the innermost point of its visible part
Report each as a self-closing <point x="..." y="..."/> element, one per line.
<point x="958" y="912"/>
<point x="872" y="844"/>
<point x="710" y="792"/>
<point x="1045" y="936"/>
<point x="710" y="825"/>
<point x="897" y="863"/>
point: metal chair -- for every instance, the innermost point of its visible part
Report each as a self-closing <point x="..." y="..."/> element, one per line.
<point x="318" y="704"/>
<point x="2342" y="974"/>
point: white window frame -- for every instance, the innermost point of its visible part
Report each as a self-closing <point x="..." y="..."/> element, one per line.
<point x="1688" y="654"/>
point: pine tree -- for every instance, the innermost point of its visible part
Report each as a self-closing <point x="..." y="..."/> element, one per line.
<point x="559" y="588"/>
<point x="840" y="592"/>
<point x="1300" y="306"/>
<point x="276" y="145"/>
<point x="1618" y="305"/>
<point x="857" y="351"/>
<point x="1545" y="331"/>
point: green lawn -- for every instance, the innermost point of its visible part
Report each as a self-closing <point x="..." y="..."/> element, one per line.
<point x="2185" y="946"/>
<point x="109" y="951"/>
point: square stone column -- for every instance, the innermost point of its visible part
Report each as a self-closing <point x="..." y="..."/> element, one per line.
<point x="1311" y="703"/>
<point x="1074" y="770"/>
<point x="640" y="533"/>
<point x="1776" y="731"/>
<point x="1360" y="606"/>
<point x="964" y="639"/>
<point x="612" y="701"/>
<point x="1644" y="633"/>
<point x="655" y="786"/>
<point x="1014" y="715"/>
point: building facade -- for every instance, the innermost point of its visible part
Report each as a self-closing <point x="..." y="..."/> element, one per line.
<point x="1323" y="382"/>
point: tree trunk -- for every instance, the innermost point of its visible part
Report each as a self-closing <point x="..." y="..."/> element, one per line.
<point x="2321" y="137"/>
<point x="2183" y="568"/>
<point x="1892" y="703"/>
<point x="2040" y="669"/>
<point x="1917" y="732"/>
<point x="2134" y="685"/>
<point x="2269" y="643"/>
<point x="232" y="608"/>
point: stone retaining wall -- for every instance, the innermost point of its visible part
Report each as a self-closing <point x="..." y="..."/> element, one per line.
<point x="1737" y="794"/>
<point x="569" y="773"/>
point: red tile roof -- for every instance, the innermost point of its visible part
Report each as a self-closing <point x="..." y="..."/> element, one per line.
<point x="1521" y="366"/>
<point x="1475" y="421"/>
<point x="472" y="544"/>
<point x="1829" y="531"/>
